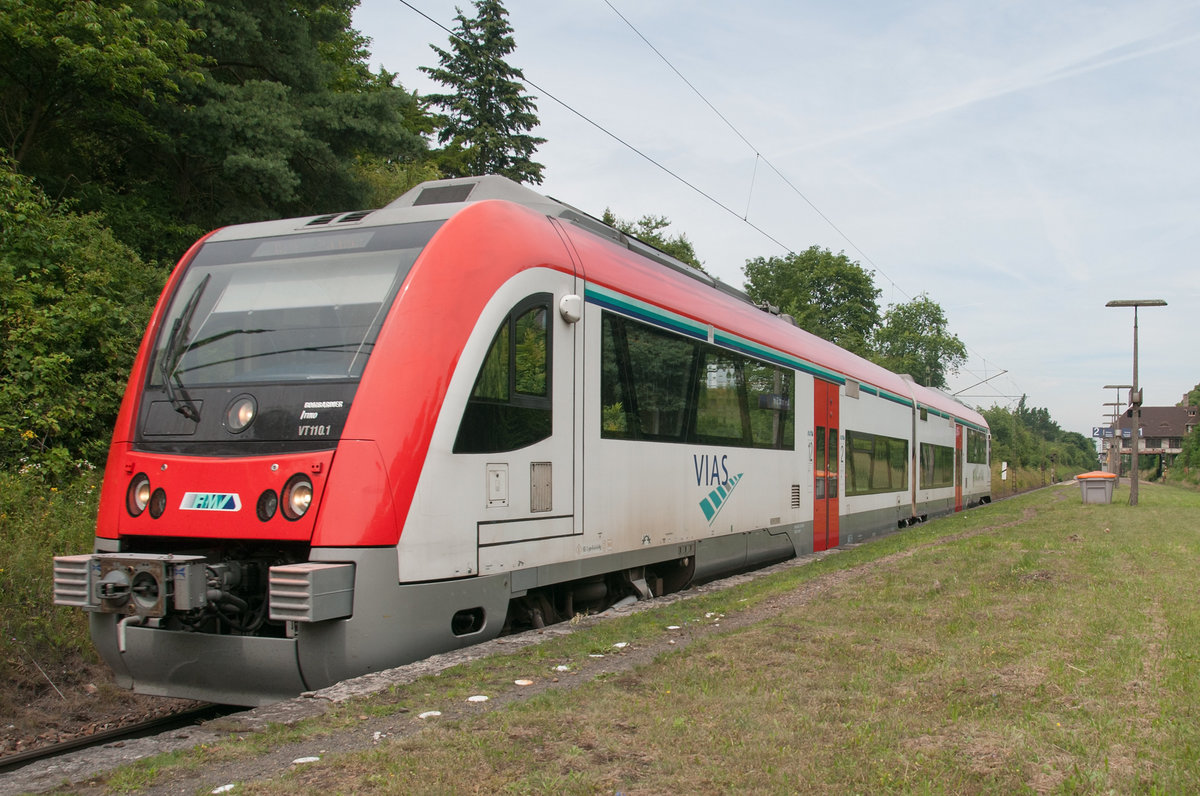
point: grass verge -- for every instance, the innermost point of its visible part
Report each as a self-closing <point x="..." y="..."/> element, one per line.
<point x="1037" y="645"/>
<point x="41" y="642"/>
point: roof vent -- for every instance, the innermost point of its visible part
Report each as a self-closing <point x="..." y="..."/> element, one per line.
<point x="316" y="222"/>
<point x="444" y="194"/>
<point x="350" y="218"/>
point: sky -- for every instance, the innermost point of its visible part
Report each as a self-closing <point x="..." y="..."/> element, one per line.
<point x="1020" y="162"/>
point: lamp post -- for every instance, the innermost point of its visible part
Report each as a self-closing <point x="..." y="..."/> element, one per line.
<point x="1135" y="396"/>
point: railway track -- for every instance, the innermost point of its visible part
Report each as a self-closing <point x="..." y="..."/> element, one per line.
<point x="143" y="729"/>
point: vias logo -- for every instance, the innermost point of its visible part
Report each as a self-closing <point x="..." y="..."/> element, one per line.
<point x="713" y="472"/>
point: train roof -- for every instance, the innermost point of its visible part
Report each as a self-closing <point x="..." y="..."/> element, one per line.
<point x="443" y="199"/>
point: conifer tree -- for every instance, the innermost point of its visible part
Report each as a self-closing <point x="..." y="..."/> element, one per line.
<point x="487" y="114"/>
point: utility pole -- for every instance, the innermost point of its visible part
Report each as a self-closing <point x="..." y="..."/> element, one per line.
<point x="1135" y="395"/>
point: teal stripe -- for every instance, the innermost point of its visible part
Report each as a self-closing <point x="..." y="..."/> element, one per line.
<point x="956" y="419"/>
<point x="777" y="357"/>
<point x="896" y="399"/>
<point x="657" y="316"/>
<point x="647" y="312"/>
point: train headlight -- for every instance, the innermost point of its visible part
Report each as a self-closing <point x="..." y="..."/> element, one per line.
<point x="240" y="413"/>
<point x="296" y="497"/>
<point x="138" y="495"/>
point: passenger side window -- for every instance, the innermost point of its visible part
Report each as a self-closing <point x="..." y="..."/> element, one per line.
<point x="509" y="407"/>
<point x="661" y="386"/>
<point x="937" y="466"/>
<point x="875" y="464"/>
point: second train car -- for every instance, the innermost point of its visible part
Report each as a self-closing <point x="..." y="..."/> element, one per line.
<point x="352" y="441"/>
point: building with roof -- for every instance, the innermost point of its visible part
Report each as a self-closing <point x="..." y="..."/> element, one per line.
<point x="1162" y="431"/>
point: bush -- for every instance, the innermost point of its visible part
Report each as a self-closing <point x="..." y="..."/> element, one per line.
<point x="73" y="306"/>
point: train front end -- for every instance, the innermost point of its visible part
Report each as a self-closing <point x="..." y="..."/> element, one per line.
<point x="235" y="519"/>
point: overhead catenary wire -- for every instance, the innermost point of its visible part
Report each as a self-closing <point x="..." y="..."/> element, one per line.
<point x="742" y="217"/>
<point x="759" y="156"/>
<point x="757" y="153"/>
<point x="621" y="141"/>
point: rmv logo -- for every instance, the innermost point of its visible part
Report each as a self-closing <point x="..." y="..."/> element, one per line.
<point x="211" y="501"/>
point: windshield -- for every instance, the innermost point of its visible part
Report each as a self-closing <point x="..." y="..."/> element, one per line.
<point x="293" y="308"/>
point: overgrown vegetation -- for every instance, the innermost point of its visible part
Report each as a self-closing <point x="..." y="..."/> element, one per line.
<point x="74" y="302"/>
<point x="1186" y="467"/>
<point x="1029" y="440"/>
<point x="37" y="522"/>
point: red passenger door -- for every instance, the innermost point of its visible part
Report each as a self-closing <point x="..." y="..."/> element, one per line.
<point x="959" y="473"/>
<point x="825" y="465"/>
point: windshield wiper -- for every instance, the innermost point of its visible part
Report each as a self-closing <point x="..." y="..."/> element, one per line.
<point x="176" y="346"/>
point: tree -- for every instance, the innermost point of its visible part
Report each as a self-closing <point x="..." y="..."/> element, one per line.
<point x="74" y="73"/>
<point x="487" y="112"/>
<point x="387" y="179"/>
<point x="651" y="229"/>
<point x="1189" y="455"/>
<point x="1192" y="398"/>
<point x="276" y="128"/>
<point x="1028" y="437"/>
<point x="252" y="110"/>
<point x="914" y="339"/>
<point x="828" y="294"/>
<point x="73" y="305"/>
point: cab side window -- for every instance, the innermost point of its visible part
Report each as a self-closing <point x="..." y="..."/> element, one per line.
<point x="509" y="407"/>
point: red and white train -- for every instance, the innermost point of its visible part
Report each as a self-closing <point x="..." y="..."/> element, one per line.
<point x="355" y="440"/>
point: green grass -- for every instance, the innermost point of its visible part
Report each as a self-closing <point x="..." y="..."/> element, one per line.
<point x="38" y="522"/>
<point x="1036" y="645"/>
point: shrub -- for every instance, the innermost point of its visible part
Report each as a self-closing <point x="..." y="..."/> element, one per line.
<point x="73" y="305"/>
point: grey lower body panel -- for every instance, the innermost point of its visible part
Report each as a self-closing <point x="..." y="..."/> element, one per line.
<point x="864" y="525"/>
<point x="976" y="498"/>
<point x="713" y="556"/>
<point x="936" y="508"/>
<point x="724" y="554"/>
<point x="392" y="624"/>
